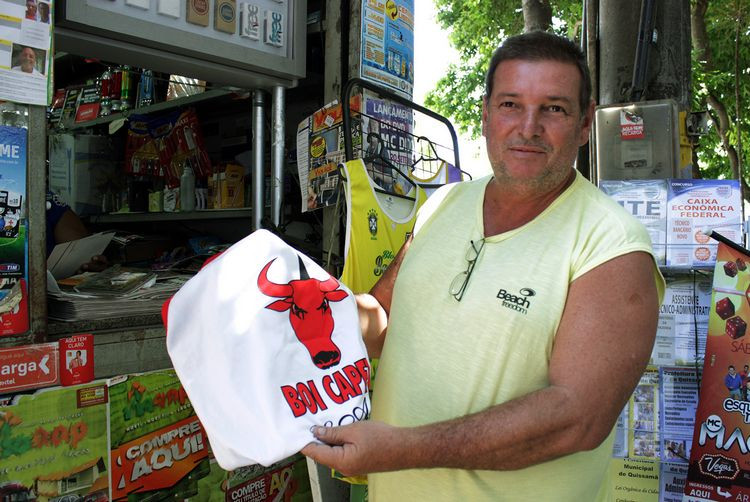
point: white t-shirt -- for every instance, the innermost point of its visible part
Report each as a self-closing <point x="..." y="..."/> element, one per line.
<point x="267" y="344"/>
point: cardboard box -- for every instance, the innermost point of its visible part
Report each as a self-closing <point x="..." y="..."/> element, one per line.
<point x="232" y="187"/>
<point x="647" y="201"/>
<point x="695" y="205"/>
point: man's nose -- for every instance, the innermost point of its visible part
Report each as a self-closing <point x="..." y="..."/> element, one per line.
<point x="530" y="125"/>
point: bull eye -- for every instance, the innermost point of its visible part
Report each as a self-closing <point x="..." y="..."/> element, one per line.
<point x="298" y="311"/>
<point x="324" y="305"/>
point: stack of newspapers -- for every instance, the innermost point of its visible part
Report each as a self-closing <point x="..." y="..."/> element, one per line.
<point x="115" y="292"/>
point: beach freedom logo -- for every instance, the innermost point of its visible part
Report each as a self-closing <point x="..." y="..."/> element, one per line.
<point x="520" y="302"/>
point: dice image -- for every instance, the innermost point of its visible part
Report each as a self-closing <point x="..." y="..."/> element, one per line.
<point x="730" y="268"/>
<point x="741" y="265"/>
<point x="725" y="308"/>
<point x="736" y="327"/>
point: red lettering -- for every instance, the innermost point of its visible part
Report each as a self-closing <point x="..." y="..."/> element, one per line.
<point x="354" y="377"/>
<point x="292" y="399"/>
<point x="364" y="369"/>
<point x="308" y="399"/>
<point x="346" y="389"/>
<point x="327" y="381"/>
<point x="314" y="389"/>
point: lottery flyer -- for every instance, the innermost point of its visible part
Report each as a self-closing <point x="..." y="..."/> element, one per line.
<point x="719" y="466"/>
<point x="157" y="444"/>
<point x="53" y="445"/>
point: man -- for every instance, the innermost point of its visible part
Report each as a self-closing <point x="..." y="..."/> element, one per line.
<point x="744" y="374"/>
<point x="519" y="298"/>
<point x="31" y="9"/>
<point x="733" y="382"/>
<point x="27" y="61"/>
<point x="76" y="362"/>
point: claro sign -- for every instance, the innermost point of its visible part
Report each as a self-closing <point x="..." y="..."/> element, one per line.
<point x="28" y="367"/>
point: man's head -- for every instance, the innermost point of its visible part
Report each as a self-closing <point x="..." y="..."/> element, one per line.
<point x="27" y="59"/>
<point x="537" y="112"/>
<point x="732" y="371"/>
<point x="542" y="46"/>
<point x="30" y="9"/>
<point x="78" y="353"/>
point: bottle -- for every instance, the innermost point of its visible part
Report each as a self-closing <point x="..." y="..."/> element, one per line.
<point x="187" y="189"/>
<point x="126" y="88"/>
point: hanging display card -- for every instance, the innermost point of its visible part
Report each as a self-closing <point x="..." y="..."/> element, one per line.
<point x="719" y="460"/>
<point x="388" y="44"/>
<point x="14" y="315"/>
<point x="25" y="56"/>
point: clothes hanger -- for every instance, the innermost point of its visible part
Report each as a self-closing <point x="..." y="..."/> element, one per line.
<point x="376" y="155"/>
<point x="421" y="157"/>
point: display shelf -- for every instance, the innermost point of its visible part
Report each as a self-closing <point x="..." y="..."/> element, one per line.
<point x="203" y="214"/>
<point x="156" y="107"/>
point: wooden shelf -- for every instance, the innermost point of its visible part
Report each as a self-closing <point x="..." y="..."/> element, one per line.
<point x="204" y="214"/>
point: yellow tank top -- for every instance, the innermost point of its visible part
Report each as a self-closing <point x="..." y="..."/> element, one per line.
<point x="376" y="227"/>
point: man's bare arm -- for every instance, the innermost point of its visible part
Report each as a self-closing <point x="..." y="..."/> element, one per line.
<point x="375" y="306"/>
<point x="601" y="348"/>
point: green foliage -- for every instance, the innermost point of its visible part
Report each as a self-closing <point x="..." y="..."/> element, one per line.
<point x="721" y="26"/>
<point x="476" y="28"/>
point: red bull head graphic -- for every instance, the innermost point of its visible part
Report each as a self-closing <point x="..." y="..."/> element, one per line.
<point x="307" y="301"/>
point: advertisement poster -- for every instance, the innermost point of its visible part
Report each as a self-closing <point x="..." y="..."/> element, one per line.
<point x="719" y="459"/>
<point x="320" y="148"/>
<point x="286" y="480"/>
<point x="28" y="367"/>
<point x="14" y="318"/>
<point x="157" y="444"/>
<point x="25" y="55"/>
<point x="678" y="388"/>
<point x="644" y="417"/>
<point x="53" y="445"/>
<point x="388" y="44"/>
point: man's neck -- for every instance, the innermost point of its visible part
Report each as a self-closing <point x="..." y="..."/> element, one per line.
<point x="508" y="207"/>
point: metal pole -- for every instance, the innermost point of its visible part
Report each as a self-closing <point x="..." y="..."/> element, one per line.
<point x="259" y="105"/>
<point x="277" y="154"/>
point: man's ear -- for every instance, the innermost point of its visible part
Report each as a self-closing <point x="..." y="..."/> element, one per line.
<point x="484" y="114"/>
<point x="587" y="122"/>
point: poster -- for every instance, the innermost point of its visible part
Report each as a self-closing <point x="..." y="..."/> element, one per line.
<point x="157" y="444"/>
<point x="388" y="44"/>
<point x="53" y="445"/>
<point x="286" y="480"/>
<point x="28" y="367"/>
<point x="14" y="317"/>
<point x="720" y="456"/>
<point x="25" y="50"/>
<point x="678" y="389"/>
<point x="644" y="417"/>
<point x="320" y="148"/>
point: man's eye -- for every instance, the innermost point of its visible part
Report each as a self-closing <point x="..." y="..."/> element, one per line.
<point x="556" y="109"/>
<point x="507" y="104"/>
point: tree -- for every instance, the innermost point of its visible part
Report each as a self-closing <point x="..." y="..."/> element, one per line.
<point x="720" y="73"/>
<point x="720" y="61"/>
<point x="476" y="28"/>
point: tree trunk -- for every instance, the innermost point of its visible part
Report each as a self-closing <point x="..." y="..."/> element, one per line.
<point x="703" y="53"/>
<point x="537" y="15"/>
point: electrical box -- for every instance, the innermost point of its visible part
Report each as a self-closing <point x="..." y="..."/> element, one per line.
<point x="638" y="141"/>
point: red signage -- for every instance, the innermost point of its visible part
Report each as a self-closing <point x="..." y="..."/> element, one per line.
<point x="28" y="367"/>
<point x="77" y="355"/>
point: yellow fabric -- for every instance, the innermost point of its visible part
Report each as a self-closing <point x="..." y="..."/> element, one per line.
<point x="368" y="253"/>
<point x="443" y="359"/>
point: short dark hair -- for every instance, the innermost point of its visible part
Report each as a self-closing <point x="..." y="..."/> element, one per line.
<point x="542" y="46"/>
<point x="731" y="366"/>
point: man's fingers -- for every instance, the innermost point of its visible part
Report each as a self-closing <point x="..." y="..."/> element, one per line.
<point x="330" y="435"/>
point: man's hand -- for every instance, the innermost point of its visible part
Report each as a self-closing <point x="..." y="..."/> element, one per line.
<point x="359" y="448"/>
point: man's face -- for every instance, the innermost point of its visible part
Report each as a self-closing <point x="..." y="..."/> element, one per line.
<point x="27" y="60"/>
<point x="533" y="124"/>
<point x="732" y="371"/>
<point x="30" y="8"/>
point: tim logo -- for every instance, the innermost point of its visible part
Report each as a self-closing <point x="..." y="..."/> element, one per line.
<point x="519" y="302"/>
<point x="307" y="301"/>
<point x="719" y="467"/>
<point x="372" y="222"/>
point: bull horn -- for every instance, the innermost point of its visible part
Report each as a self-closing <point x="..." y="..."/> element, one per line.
<point x="329" y="284"/>
<point x="303" y="275"/>
<point x="270" y="288"/>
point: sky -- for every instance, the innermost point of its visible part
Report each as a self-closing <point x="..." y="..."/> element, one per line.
<point x="432" y="55"/>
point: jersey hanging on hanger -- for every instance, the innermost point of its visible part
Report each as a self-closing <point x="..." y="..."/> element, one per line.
<point x="376" y="227"/>
<point x="446" y="173"/>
